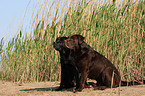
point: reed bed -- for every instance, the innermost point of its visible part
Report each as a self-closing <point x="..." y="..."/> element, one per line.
<point x="114" y="28"/>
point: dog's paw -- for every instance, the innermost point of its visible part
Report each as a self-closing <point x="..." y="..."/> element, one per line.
<point x="100" y="88"/>
<point x="78" y="90"/>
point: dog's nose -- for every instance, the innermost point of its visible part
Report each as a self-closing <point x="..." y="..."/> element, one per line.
<point x="53" y="44"/>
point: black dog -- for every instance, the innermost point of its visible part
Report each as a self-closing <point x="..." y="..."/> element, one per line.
<point x="68" y="71"/>
<point x="92" y="64"/>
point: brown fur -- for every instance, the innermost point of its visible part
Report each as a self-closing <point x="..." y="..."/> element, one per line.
<point x="92" y="64"/>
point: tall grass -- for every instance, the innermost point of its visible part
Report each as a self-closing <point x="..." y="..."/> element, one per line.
<point x="115" y="29"/>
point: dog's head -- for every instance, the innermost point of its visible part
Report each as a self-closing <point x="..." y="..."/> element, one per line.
<point x="74" y="41"/>
<point x="59" y="43"/>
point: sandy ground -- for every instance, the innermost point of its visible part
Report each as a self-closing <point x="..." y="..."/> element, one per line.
<point x="45" y="89"/>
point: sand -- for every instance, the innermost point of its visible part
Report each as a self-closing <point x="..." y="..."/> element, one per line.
<point x="46" y="89"/>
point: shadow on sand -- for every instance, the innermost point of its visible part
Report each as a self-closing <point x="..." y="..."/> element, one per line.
<point x="53" y="88"/>
<point x="47" y="89"/>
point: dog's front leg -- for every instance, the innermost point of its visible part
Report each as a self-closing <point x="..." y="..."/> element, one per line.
<point x="62" y="78"/>
<point x="82" y="80"/>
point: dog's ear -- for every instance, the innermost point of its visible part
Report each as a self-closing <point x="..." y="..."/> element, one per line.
<point x="80" y="39"/>
<point x="69" y="43"/>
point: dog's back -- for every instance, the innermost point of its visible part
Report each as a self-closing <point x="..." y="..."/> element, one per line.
<point x="100" y="68"/>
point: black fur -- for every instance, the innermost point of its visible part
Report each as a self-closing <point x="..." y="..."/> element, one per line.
<point x="67" y="69"/>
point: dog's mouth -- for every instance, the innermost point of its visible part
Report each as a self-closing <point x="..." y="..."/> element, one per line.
<point x="55" y="46"/>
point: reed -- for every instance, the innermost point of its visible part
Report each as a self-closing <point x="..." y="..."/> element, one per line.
<point x="114" y="29"/>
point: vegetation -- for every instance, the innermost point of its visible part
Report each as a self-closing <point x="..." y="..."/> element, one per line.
<point x="114" y="28"/>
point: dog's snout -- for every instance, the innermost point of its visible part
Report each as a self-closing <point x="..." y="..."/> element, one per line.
<point x="53" y="44"/>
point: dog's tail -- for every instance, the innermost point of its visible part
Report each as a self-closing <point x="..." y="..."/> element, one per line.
<point x="131" y="83"/>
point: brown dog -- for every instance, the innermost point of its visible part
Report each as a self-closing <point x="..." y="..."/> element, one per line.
<point x="92" y="64"/>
